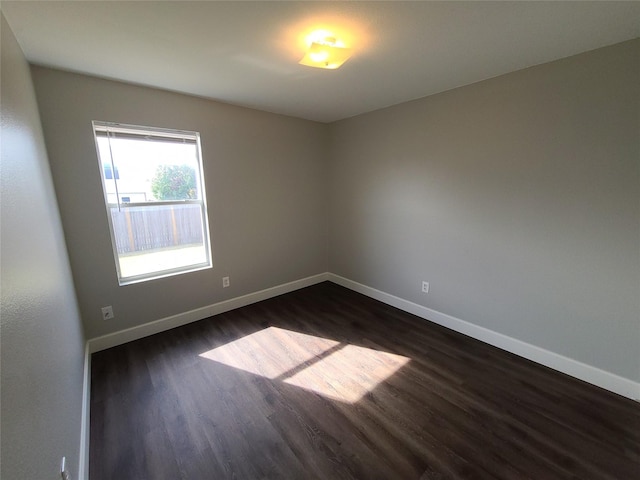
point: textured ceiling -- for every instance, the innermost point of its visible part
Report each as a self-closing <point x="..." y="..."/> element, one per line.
<point x="247" y="53"/>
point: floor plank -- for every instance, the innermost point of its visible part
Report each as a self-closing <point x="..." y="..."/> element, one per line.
<point x="325" y="383"/>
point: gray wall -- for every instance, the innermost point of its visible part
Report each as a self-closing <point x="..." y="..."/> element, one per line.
<point x="42" y="343"/>
<point x="518" y="198"/>
<point x="265" y="177"/>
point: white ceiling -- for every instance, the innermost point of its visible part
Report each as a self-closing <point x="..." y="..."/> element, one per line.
<point x="247" y="53"/>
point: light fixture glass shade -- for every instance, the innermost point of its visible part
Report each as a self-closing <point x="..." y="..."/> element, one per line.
<point x="325" y="55"/>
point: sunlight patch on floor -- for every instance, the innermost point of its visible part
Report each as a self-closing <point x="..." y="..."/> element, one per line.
<point x="336" y="370"/>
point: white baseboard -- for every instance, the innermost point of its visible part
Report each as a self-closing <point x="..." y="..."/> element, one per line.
<point x="609" y="381"/>
<point x="83" y="457"/>
<point x="167" y="323"/>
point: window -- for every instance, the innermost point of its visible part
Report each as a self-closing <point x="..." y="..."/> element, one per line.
<point x="155" y="198"/>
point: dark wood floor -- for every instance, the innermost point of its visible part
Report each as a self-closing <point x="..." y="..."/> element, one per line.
<point x="324" y="383"/>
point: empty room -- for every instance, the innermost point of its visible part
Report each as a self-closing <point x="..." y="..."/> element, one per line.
<point x="320" y="240"/>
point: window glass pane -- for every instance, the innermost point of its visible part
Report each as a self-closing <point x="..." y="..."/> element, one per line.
<point x="148" y="171"/>
<point x="154" y="191"/>
<point x="157" y="238"/>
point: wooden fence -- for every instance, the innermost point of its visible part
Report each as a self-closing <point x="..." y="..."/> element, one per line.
<point x="148" y="228"/>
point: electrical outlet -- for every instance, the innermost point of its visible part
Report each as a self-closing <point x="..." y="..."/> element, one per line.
<point x="64" y="474"/>
<point x="225" y="282"/>
<point x="425" y="287"/>
<point x="107" y="313"/>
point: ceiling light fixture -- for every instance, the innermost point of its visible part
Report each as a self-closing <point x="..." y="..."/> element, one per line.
<point x="326" y="53"/>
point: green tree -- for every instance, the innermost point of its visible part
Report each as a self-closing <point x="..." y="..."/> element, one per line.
<point x="174" y="182"/>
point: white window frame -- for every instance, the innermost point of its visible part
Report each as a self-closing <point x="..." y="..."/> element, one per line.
<point x="101" y="128"/>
